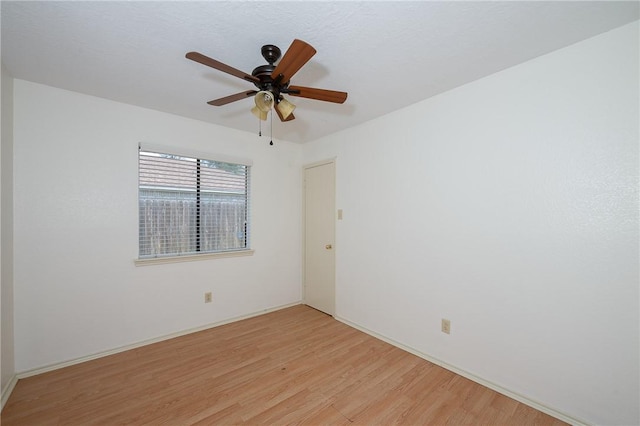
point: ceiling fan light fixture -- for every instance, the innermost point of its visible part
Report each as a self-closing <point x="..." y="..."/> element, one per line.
<point x="264" y="101"/>
<point x="272" y="80"/>
<point x="262" y="115"/>
<point x="285" y="108"/>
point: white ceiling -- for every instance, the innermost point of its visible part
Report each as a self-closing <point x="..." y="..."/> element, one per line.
<point x="387" y="55"/>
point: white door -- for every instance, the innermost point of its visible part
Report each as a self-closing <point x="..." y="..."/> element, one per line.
<point x="319" y="223"/>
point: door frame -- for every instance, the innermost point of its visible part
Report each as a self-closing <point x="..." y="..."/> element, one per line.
<point x="304" y="224"/>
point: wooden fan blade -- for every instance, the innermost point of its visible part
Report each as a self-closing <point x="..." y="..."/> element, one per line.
<point x="296" y="56"/>
<point x="318" y="94"/>
<point x="289" y="118"/>
<point x="232" y="98"/>
<point x="205" y="60"/>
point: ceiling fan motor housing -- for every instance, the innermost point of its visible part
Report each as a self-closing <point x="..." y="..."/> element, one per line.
<point x="271" y="54"/>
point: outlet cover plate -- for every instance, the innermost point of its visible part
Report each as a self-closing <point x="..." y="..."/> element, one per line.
<point x="446" y="326"/>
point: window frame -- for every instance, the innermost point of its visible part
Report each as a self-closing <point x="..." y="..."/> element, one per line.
<point x="194" y="256"/>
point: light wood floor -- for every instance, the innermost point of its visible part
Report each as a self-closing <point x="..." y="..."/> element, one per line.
<point x="293" y="366"/>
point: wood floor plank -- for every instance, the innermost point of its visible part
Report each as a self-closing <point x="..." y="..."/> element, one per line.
<point x="293" y="366"/>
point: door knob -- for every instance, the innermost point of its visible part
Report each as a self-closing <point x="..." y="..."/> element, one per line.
<point x="328" y="247"/>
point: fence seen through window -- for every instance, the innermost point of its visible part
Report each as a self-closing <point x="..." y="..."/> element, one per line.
<point x="191" y="205"/>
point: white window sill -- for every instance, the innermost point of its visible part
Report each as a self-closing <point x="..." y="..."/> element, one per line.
<point x="191" y="258"/>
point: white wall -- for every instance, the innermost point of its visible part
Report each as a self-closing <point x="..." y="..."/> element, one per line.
<point x="7" y="365"/>
<point x="77" y="291"/>
<point x="510" y="207"/>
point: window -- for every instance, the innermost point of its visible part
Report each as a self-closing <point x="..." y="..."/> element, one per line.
<point x="190" y="205"/>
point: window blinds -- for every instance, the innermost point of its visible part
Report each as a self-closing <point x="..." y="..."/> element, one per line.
<point x="190" y="205"/>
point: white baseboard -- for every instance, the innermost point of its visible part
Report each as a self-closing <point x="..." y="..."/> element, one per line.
<point x="63" y="364"/>
<point x="6" y="391"/>
<point x="520" y="398"/>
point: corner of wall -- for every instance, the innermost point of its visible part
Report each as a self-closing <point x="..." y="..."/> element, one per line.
<point x="7" y="362"/>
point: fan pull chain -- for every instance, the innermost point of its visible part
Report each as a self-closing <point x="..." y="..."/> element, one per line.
<point x="259" y="127"/>
<point x="271" y="114"/>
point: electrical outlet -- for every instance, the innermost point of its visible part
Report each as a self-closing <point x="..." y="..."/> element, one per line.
<point x="208" y="297"/>
<point x="446" y="326"/>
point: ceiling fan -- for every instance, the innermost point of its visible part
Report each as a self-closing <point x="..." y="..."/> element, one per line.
<point x="272" y="81"/>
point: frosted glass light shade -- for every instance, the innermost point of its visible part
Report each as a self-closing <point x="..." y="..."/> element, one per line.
<point x="264" y="101"/>
<point x="262" y="115"/>
<point x="285" y="108"/>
